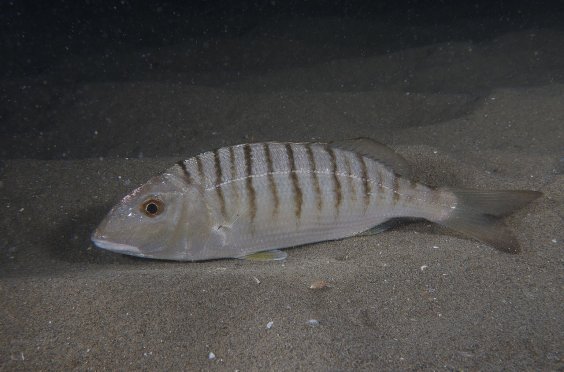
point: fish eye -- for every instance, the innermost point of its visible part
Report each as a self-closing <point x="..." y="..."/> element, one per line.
<point x="152" y="207"/>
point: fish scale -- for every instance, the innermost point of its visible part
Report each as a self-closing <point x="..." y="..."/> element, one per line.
<point x="239" y="200"/>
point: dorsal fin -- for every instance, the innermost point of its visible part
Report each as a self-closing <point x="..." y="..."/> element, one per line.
<point x="376" y="151"/>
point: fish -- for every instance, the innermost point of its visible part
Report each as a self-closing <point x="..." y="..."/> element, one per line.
<point x="253" y="200"/>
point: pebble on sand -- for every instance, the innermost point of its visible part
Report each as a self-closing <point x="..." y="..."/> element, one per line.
<point x="319" y="284"/>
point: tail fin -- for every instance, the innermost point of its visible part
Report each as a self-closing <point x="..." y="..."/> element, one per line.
<point x="478" y="214"/>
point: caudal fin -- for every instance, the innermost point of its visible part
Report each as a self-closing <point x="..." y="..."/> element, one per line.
<point x="478" y="214"/>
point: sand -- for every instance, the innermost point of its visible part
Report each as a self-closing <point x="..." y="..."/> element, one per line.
<point x="479" y="107"/>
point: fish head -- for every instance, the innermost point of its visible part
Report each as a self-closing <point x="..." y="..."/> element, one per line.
<point x="148" y="221"/>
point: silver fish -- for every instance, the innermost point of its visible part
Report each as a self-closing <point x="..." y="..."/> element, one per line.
<point x="236" y="201"/>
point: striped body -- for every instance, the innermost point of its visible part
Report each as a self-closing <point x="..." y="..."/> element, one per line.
<point x="244" y="199"/>
<point x="272" y="195"/>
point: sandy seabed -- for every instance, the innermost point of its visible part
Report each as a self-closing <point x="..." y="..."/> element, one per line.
<point x="486" y="114"/>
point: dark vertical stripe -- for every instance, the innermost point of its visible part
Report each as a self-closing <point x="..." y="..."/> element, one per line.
<point x="185" y="173"/>
<point x="337" y="183"/>
<point x="271" y="181"/>
<point x="251" y="193"/>
<point x="218" y="181"/>
<point x="202" y="179"/>
<point x="233" y="170"/>
<point x="298" y="196"/>
<point x="200" y="167"/>
<point x="366" y="187"/>
<point x="381" y="189"/>
<point x="314" y="175"/>
<point x="232" y="162"/>
<point x="348" y="170"/>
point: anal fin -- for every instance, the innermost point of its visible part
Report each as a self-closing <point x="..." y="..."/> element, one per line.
<point x="272" y="255"/>
<point x="392" y="223"/>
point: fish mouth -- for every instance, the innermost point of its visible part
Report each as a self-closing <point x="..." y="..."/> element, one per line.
<point x="99" y="240"/>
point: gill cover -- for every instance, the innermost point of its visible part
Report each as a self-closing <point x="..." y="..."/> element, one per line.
<point x="163" y="219"/>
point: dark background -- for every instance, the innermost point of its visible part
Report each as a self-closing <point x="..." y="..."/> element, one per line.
<point x="37" y="34"/>
<point x="50" y="49"/>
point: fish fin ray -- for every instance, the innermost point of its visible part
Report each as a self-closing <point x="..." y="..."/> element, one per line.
<point x="478" y="214"/>
<point x="376" y="151"/>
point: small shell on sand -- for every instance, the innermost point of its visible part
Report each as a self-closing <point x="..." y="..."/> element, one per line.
<point x="319" y="284"/>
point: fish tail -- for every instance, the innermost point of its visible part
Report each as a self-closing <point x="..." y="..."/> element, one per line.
<point x="479" y="214"/>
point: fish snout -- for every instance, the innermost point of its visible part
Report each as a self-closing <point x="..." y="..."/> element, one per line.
<point x="104" y="242"/>
<point x="96" y="235"/>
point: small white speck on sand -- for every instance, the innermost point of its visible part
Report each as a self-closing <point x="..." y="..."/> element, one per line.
<point x="554" y="241"/>
<point x="435" y="247"/>
<point x="466" y="354"/>
<point x="211" y="356"/>
<point x="269" y="324"/>
<point x="312" y="322"/>
<point x="256" y="280"/>
<point x="424" y="267"/>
